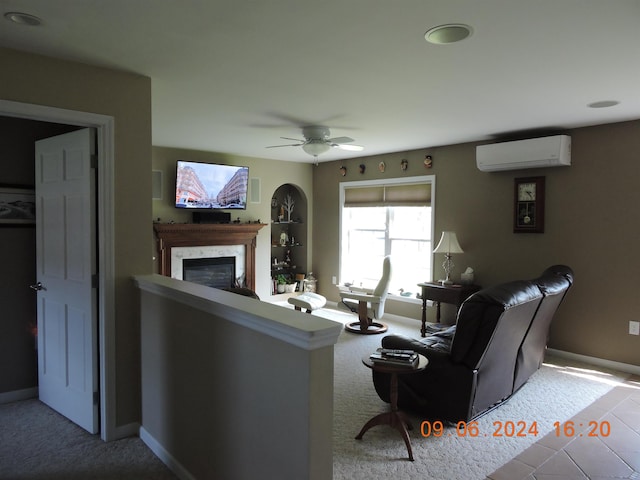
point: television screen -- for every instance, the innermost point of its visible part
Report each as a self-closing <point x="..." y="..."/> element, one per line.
<point x="209" y="186"/>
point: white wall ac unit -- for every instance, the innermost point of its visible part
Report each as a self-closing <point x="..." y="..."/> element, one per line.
<point x="552" y="151"/>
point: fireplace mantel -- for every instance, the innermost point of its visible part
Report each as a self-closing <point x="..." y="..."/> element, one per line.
<point x="171" y="235"/>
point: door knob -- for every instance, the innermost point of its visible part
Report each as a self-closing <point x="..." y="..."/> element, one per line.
<point x="38" y="286"/>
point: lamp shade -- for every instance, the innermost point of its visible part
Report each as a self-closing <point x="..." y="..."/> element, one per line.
<point x="448" y="244"/>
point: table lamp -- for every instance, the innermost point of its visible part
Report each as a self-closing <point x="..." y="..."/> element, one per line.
<point x="448" y="245"/>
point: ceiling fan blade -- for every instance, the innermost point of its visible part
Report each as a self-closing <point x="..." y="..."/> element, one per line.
<point x="351" y="148"/>
<point x="289" y="145"/>
<point x="341" y="140"/>
<point x="294" y="139"/>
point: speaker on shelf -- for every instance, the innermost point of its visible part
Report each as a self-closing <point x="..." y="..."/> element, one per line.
<point x="211" y="217"/>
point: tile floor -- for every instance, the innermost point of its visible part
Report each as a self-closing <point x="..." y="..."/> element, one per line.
<point x="613" y="454"/>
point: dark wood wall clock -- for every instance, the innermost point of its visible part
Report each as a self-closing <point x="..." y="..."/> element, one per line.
<point x="529" y="205"/>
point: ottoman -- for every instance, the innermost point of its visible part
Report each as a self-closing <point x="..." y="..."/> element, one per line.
<point x="308" y="300"/>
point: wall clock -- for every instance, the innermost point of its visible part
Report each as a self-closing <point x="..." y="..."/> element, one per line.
<point x="528" y="205"/>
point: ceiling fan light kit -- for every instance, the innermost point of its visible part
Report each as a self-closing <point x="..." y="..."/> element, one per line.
<point x="316" y="141"/>
<point x="315" y="147"/>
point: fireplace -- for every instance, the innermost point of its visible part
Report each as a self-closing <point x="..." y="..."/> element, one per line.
<point x="178" y="242"/>
<point x="217" y="272"/>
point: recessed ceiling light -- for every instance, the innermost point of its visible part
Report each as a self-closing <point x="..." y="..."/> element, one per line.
<point x="449" y="33"/>
<point x="603" y="104"/>
<point x="23" y="19"/>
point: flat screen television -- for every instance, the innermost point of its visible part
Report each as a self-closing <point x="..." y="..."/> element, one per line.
<point x="211" y="186"/>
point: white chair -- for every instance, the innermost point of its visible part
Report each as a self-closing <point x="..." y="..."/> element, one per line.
<point x="370" y="306"/>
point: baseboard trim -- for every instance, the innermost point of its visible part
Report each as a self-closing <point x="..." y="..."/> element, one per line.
<point x="17" y="395"/>
<point x="165" y="457"/>
<point x="600" y="362"/>
<point x="124" y="431"/>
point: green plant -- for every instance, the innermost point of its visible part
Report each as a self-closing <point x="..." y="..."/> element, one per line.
<point x="281" y="279"/>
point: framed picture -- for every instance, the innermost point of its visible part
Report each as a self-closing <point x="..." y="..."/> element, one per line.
<point x="528" y="205"/>
<point x="17" y="206"/>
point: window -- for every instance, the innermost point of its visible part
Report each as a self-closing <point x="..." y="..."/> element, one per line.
<point x="390" y="217"/>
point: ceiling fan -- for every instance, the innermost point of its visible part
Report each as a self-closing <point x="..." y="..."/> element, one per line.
<point x="316" y="141"/>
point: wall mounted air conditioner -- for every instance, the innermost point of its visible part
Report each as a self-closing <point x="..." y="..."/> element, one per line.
<point x="552" y="151"/>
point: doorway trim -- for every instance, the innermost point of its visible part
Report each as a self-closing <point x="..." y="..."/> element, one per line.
<point x="104" y="125"/>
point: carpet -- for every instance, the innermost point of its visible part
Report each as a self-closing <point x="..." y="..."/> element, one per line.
<point x="559" y="390"/>
<point x="38" y="443"/>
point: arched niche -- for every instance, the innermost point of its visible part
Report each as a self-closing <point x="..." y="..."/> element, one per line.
<point x="289" y="238"/>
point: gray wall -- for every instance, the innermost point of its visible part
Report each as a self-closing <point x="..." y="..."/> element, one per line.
<point x="591" y="225"/>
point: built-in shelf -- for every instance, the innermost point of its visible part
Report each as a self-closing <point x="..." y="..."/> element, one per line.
<point x="288" y="258"/>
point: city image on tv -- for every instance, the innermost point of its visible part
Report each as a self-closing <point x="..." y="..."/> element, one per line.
<point x="209" y="186"/>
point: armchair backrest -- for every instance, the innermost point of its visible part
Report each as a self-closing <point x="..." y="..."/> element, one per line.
<point x="382" y="289"/>
<point x="491" y="326"/>
<point x="554" y="283"/>
<point x="482" y="313"/>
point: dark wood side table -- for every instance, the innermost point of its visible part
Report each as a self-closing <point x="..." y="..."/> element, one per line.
<point x="438" y="293"/>
<point x="394" y="418"/>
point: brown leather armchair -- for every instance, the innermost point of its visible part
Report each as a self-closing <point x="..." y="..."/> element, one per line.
<point x="498" y="342"/>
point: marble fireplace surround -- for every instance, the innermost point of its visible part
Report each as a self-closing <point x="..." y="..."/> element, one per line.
<point x="197" y="240"/>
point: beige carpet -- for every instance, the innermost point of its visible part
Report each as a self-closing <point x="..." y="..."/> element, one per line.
<point x="556" y="392"/>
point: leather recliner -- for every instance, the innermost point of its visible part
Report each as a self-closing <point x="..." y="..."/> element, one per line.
<point x="498" y="342"/>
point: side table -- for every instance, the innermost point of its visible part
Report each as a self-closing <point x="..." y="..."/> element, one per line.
<point x="394" y="418"/>
<point x="438" y="293"/>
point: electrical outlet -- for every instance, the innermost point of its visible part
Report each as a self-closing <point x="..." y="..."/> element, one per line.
<point x="634" y="328"/>
<point x="334" y="280"/>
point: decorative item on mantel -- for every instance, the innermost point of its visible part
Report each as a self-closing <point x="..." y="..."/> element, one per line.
<point x="448" y="245"/>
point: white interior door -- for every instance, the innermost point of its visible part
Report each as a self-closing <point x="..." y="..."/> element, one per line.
<point x="66" y="267"/>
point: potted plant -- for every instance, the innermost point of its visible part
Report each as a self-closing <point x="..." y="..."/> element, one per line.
<point x="282" y="282"/>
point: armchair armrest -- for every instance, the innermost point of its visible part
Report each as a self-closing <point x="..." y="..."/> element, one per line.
<point x="436" y="356"/>
<point x="360" y="297"/>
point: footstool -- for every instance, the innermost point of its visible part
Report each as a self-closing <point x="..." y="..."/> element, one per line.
<point x="308" y="300"/>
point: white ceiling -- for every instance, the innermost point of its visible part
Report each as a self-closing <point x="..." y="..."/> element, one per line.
<point x="235" y="75"/>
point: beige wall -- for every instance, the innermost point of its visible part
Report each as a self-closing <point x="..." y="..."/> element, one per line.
<point x="271" y="173"/>
<point x="126" y="97"/>
<point x="228" y="392"/>
<point x="591" y="225"/>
